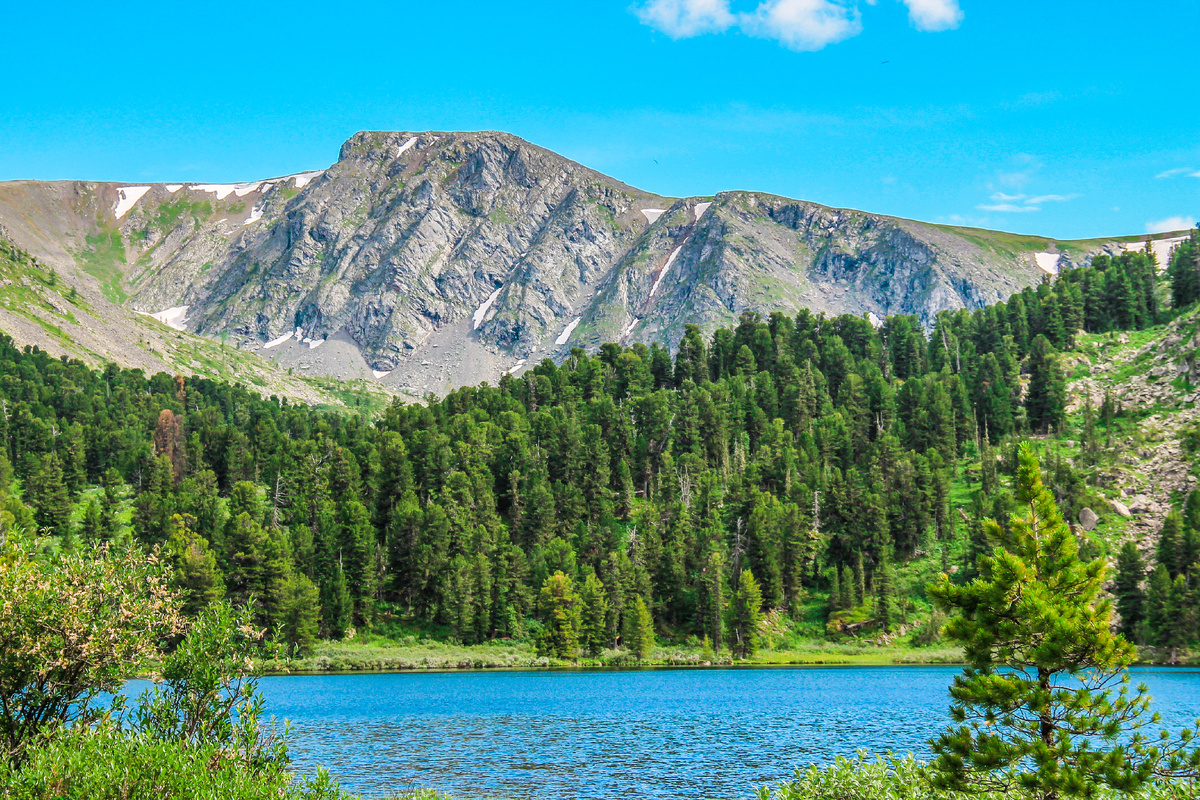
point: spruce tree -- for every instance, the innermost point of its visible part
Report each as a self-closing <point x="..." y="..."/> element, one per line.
<point x="849" y="597"/>
<point x="835" y="590"/>
<point x="1046" y="403"/>
<point x="860" y="577"/>
<point x="885" y="595"/>
<point x="1185" y="272"/>
<point x="1158" y="608"/>
<point x="47" y="493"/>
<point x="301" y="619"/>
<point x="643" y="636"/>
<point x="1035" y="711"/>
<point x="1127" y="588"/>
<point x="1170" y="550"/>
<point x="196" y="575"/>
<point x="559" y="607"/>
<point x="745" y="612"/>
<point x="593" y="628"/>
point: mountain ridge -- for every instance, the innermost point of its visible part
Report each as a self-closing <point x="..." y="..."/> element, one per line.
<point x="429" y="260"/>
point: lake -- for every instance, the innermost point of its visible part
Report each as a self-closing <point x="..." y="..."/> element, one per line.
<point x="686" y="733"/>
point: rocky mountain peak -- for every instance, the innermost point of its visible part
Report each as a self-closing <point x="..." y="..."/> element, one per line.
<point x="432" y="259"/>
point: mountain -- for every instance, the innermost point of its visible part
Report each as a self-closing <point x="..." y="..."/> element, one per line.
<point x="426" y="261"/>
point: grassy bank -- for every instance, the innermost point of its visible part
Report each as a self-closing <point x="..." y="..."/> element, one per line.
<point x="382" y="655"/>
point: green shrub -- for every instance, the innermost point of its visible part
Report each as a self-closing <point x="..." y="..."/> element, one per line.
<point x="905" y="778"/>
<point x="109" y="763"/>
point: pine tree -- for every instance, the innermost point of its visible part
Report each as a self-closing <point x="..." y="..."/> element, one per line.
<point x="1158" y="608"/>
<point x="559" y="607"/>
<point x="643" y="637"/>
<point x="196" y="575"/>
<point x="47" y="493"/>
<point x="849" y="598"/>
<point x="593" y="629"/>
<point x="835" y="590"/>
<point x="1046" y="404"/>
<point x="337" y="606"/>
<point x="885" y="593"/>
<point x="1127" y="588"/>
<point x="1034" y="710"/>
<point x="745" y="613"/>
<point x="860" y="577"/>
<point x="301" y="619"/>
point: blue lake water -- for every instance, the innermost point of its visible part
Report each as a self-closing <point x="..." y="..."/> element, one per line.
<point x="712" y="733"/>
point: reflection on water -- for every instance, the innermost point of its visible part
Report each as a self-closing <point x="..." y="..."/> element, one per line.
<point x="606" y="734"/>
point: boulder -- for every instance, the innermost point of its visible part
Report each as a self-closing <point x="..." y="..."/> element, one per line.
<point x="1088" y="519"/>
<point x="1121" y="509"/>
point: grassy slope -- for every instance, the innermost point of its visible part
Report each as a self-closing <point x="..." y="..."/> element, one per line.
<point x="58" y="312"/>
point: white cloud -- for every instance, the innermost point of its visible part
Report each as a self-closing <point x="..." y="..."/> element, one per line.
<point x="1175" y="173"/>
<point x="934" y="15"/>
<point x="1050" y="198"/>
<point x="1008" y="203"/>
<point x="803" y="24"/>
<point x="680" y="19"/>
<point x="1008" y="208"/>
<point x="797" y="24"/>
<point x="1170" y="224"/>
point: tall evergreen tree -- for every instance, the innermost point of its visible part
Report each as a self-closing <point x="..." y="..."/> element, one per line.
<point x="745" y="613"/>
<point x="643" y="638"/>
<point x="1127" y="588"/>
<point x="1034" y="710"/>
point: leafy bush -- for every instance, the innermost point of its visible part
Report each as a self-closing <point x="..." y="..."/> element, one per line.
<point x="105" y="762"/>
<point x="206" y="694"/>
<point x="73" y="627"/>
<point x="905" y="778"/>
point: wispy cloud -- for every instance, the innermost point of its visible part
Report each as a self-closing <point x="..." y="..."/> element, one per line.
<point x="934" y="15"/>
<point x="1175" y="173"/>
<point x="1021" y="203"/>
<point x="797" y="24"/>
<point x="1008" y="208"/>
<point x="1050" y="198"/>
<point x="1170" y="224"/>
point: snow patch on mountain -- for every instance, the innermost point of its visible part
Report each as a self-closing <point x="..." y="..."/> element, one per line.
<point x="567" y="331"/>
<point x="171" y="317"/>
<point x="127" y="197"/>
<point x="1048" y="262"/>
<point x="481" y="312"/>
<point x="670" y="260"/>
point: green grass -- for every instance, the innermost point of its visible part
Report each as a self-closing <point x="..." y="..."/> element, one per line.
<point x="1000" y="242"/>
<point x="104" y="259"/>
<point x="376" y="654"/>
<point x="167" y="216"/>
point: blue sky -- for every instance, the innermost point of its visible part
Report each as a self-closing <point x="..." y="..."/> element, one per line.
<point x="1069" y="119"/>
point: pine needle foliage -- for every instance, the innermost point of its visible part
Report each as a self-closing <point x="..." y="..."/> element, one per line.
<point x="1044" y="707"/>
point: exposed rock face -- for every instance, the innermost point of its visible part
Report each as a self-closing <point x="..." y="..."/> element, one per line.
<point x="437" y="259"/>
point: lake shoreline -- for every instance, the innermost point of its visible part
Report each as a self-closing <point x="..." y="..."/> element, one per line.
<point x="376" y="657"/>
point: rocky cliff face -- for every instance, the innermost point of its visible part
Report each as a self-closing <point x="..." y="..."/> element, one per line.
<point x="430" y="260"/>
